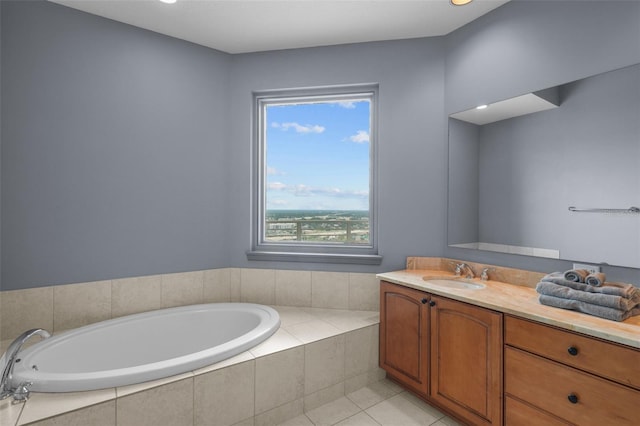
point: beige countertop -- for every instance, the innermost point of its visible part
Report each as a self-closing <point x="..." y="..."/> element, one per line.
<point x="522" y="302"/>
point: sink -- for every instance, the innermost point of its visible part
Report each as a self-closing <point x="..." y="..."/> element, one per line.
<point x="461" y="283"/>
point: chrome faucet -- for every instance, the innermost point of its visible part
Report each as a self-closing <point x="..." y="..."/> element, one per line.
<point x="460" y="267"/>
<point x="485" y="273"/>
<point x="10" y="357"/>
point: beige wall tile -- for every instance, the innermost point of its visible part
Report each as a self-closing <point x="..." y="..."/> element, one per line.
<point x="9" y="412"/>
<point x="170" y="404"/>
<point x="324" y="363"/>
<point x="364" y="292"/>
<point x="258" y="286"/>
<point x="226" y="396"/>
<point x="291" y="315"/>
<point x="361" y="353"/>
<point x="45" y="405"/>
<point x="185" y="288"/>
<point x="122" y="391"/>
<point x="234" y="283"/>
<point x="96" y="415"/>
<point x="280" y="414"/>
<point x="75" y="305"/>
<point x="135" y="295"/>
<point x="279" y="341"/>
<point x="311" y="331"/>
<point x="217" y="285"/>
<point x="279" y="379"/>
<point x="23" y="310"/>
<point x="293" y="288"/>
<point x="354" y="383"/>
<point x="330" y="290"/>
<point x="323" y="396"/>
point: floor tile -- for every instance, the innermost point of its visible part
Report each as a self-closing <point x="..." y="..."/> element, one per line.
<point x="333" y="412"/>
<point x="360" y="419"/>
<point x="400" y="411"/>
<point x="369" y="396"/>
<point x="301" y="420"/>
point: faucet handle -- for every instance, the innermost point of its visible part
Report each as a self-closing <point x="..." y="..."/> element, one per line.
<point x="485" y="273"/>
<point x="459" y="268"/>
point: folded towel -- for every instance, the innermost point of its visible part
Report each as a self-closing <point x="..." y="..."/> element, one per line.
<point x="595" y="279"/>
<point x="616" y="289"/>
<point x="576" y="275"/>
<point x="600" y="299"/>
<point x="587" y="308"/>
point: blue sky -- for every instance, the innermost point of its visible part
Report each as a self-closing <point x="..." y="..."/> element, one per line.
<point x="318" y="156"/>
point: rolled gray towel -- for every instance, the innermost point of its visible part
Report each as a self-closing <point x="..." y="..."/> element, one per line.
<point x="587" y="308"/>
<point x="576" y="275"/>
<point x="607" y="300"/>
<point x="595" y="279"/>
<point x="615" y="289"/>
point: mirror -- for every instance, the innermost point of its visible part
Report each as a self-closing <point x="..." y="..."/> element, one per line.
<point x="514" y="176"/>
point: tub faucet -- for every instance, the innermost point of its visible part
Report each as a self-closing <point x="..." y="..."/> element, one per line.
<point x="21" y="391"/>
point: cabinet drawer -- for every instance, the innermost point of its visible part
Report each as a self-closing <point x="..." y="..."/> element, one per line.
<point x="610" y="360"/>
<point x="548" y="385"/>
<point x="518" y="413"/>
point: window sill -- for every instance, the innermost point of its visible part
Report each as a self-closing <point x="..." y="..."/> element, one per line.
<point x="355" y="259"/>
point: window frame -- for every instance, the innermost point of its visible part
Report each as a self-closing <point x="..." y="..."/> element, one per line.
<point x="300" y="251"/>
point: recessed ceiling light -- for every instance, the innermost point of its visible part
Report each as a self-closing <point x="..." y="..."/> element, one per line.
<point x="168" y="1"/>
<point x="460" y="2"/>
<point x="482" y="106"/>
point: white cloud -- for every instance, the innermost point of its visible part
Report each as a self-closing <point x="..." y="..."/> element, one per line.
<point x="272" y="171"/>
<point x="278" y="203"/>
<point x="299" y="128"/>
<point x="347" y="104"/>
<point x="301" y="190"/>
<point x="362" y="136"/>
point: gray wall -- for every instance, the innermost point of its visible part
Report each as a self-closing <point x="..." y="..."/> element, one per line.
<point x="411" y="143"/>
<point x="113" y="149"/>
<point x="530" y="45"/>
<point x="99" y="182"/>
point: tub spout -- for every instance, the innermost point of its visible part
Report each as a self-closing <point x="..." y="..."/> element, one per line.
<point x="10" y="357"/>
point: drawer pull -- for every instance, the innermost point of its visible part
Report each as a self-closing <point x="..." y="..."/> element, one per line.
<point x="573" y="398"/>
<point x="573" y="351"/>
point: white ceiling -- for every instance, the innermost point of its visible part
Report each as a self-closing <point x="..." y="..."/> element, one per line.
<point x="241" y="26"/>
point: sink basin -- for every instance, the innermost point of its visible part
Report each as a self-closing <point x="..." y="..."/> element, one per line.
<point x="461" y="283"/>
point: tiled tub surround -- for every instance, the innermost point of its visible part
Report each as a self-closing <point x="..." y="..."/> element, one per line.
<point x="59" y="308"/>
<point x="317" y="356"/>
<point x="327" y="345"/>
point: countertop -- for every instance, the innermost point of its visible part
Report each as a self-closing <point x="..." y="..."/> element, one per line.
<point x="522" y="302"/>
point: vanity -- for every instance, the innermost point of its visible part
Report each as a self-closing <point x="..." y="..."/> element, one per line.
<point x="489" y="354"/>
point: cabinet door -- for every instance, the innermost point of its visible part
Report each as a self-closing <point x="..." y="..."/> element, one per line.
<point x="466" y="360"/>
<point x="404" y="335"/>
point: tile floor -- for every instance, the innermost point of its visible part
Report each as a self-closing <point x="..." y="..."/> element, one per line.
<point x="380" y="404"/>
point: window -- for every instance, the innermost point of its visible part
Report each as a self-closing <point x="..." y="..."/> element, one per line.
<point x="315" y="169"/>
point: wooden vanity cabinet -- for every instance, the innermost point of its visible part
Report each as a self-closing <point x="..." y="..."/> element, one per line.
<point x="568" y="378"/>
<point x="404" y="336"/>
<point x="466" y="360"/>
<point x="447" y="352"/>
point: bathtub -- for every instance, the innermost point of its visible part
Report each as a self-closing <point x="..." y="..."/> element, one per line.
<point x="142" y="347"/>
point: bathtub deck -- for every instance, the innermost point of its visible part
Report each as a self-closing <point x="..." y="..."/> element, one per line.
<point x="299" y="327"/>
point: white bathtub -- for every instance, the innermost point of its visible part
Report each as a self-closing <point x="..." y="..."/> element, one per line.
<point x="143" y="347"/>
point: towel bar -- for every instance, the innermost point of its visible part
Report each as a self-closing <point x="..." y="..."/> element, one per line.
<point x="629" y="210"/>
